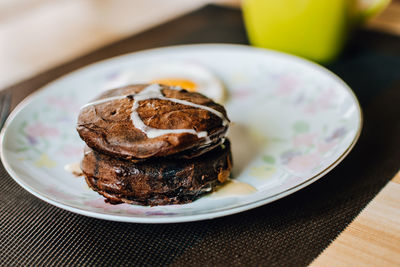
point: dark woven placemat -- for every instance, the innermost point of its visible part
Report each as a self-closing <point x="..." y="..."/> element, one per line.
<point x="291" y="231"/>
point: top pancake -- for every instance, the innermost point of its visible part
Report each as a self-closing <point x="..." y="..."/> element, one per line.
<point x="106" y="124"/>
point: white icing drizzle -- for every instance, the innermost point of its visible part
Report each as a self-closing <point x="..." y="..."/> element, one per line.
<point x="153" y="91"/>
<point x="209" y="141"/>
<point x="104" y="100"/>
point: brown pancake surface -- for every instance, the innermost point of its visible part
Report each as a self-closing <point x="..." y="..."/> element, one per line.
<point x="156" y="182"/>
<point x="107" y="127"/>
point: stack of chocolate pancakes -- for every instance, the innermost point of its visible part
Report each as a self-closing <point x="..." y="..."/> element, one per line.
<point x="154" y="145"/>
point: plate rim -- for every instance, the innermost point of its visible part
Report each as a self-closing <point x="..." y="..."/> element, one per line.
<point x="181" y="218"/>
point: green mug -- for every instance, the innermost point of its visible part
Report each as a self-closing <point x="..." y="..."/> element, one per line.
<point x="314" y="29"/>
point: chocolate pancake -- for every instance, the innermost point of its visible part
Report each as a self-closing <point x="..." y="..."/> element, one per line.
<point x="156" y="182"/>
<point x="139" y="122"/>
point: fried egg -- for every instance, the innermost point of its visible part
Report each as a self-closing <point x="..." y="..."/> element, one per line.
<point x="187" y="75"/>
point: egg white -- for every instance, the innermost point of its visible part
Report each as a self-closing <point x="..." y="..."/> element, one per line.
<point x="207" y="83"/>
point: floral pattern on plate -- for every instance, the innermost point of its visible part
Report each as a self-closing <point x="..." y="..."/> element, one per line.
<point x="292" y="122"/>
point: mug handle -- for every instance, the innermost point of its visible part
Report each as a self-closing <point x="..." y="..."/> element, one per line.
<point x="367" y="9"/>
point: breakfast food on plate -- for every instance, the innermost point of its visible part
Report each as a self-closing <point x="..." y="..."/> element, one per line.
<point x="141" y="121"/>
<point x="156" y="182"/>
<point x="186" y="74"/>
<point x="154" y="144"/>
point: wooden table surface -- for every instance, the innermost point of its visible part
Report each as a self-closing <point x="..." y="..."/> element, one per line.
<point x="52" y="32"/>
<point x="373" y="238"/>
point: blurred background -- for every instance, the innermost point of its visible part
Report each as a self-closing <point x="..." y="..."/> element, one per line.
<point x="36" y="35"/>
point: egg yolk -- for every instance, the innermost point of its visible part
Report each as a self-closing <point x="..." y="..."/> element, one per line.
<point x="185" y="84"/>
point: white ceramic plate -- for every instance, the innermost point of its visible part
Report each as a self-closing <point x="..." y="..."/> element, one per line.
<point x="293" y="121"/>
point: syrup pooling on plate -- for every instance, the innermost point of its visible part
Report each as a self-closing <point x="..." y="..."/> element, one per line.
<point x="233" y="188"/>
<point x="153" y="91"/>
<point x="74" y="168"/>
